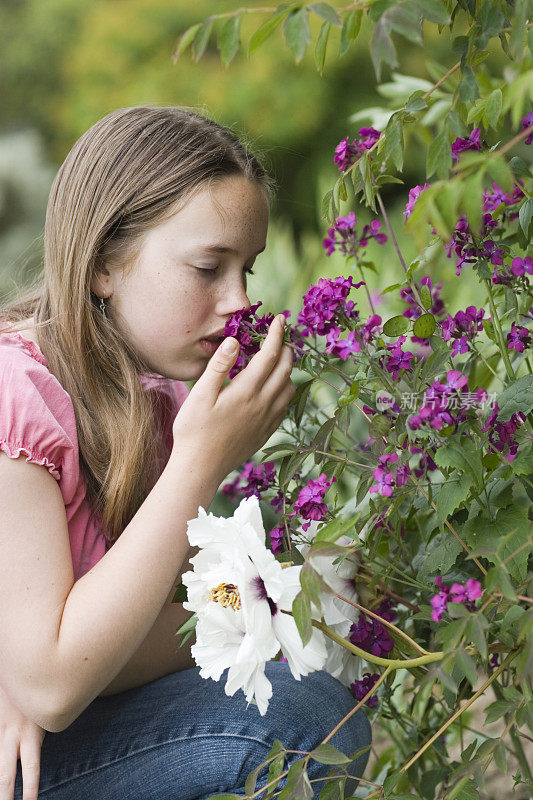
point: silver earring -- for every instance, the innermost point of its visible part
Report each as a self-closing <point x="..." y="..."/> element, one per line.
<point x="102" y="306"/>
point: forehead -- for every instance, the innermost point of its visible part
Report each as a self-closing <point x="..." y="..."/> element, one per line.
<point x="230" y="210"/>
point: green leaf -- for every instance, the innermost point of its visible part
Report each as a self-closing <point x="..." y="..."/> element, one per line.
<point x="327" y="754"/>
<point x="180" y="595"/>
<point x="462" y="455"/>
<point x="493" y="108"/>
<point x="471" y="201"/>
<point x="405" y="20"/>
<point x="299" y="400"/>
<point x="251" y="780"/>
<point x="393" y="141"/>
<point x="297" y="33"/>
<point x="187" y="628"/>
<point x="301" y="610"/>
<point x="201" y="39"/>
<point x="439" y="155"/>
<point x="500" y="172"/>
<point x="425" y="296"/>
<point x="265" y="30"/>
<point x="335" y="529"/>
<point x="229" y="39"/>
<point x="517" y="397"/>
<point x="415" y="104"/>
<point x="497" y="710"/>
<point x="465" y="789"/>
<point x="327" y="13"/>
<point x="382" y="47"/>
<point x="466" y="665"/>
<point x="451" y="495"/>
<point x="311" y="585"/>
<point x="433" y="11"/>
<point x="468" y="88"/>
<point x="444" y="552"/>
<point x="524" y="215"/>
<point x="185" y="40"/>
<point x="424" y="326"/>
<point x="475" y="631"/>
<point x="395" y="326"/>
<point x="350" y="29"/>
<point x="321" y="46"/>
<point x="497" y="580"/>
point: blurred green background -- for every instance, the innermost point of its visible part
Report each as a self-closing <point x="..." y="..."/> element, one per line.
<point x="66" y="63"/>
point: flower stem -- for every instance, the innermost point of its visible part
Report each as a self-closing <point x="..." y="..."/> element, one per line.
<point x="359" y="704"/>
<point x="393" y="663"/>
<point x="497" y="325"/>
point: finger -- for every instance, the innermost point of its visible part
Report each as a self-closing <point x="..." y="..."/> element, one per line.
<point x="8" y="767"/>
<point x="264" y="361"/>
<point x="279" y="378"/>
<point x="30" y="760"/>
<point x="210" y="382"/>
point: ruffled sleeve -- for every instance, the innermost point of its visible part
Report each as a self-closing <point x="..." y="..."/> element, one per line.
<point x="33" y="410"/>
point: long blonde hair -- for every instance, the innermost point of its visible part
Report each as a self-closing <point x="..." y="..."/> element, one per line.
<point x="123" y="176"/>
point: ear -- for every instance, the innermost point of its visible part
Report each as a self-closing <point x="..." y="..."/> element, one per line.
<point x="101" y="282"/>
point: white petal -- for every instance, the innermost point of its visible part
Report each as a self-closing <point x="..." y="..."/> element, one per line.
<point x="302" y="660"/>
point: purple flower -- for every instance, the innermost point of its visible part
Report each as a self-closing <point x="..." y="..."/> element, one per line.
<point x="500" y="433"/>
<point x="522" y="265"/>
<point x="347" y="152"/>
<point x="473" y="589"/>
<point x="518" y="338"/>
<point x="325" y="304"/>
<point x="493" y="662"/>
<point x="363" y="687"/>
<point x="344" y="237"/>
<point x="276" y="539"/>
<point x="253" y="480"/>
<point x="384" y="482"/>
<point x="342" y="347"/>
<point x="470" y="143"/>
<point x="457" y="593"/>
<point x="398" y="359"/>
<point x="526" y="122"/>
<point x="371" y="636"/>
<point x="309" y="502"/>
<point x="438" y="601"/>
<point x="414" y="194"/>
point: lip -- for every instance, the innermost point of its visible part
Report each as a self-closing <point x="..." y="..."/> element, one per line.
<point x="210" y="345"/>
<point x="216" y="334"/>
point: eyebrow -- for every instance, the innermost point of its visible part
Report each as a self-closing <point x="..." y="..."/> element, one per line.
<point x="222" y="249"/>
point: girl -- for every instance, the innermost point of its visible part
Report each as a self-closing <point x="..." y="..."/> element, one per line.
<point x="153" y="222"/>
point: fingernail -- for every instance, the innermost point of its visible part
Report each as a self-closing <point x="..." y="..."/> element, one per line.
<point x="229" y="345"/>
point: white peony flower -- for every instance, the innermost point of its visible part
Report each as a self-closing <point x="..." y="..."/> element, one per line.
<point x="338" y="615"/>
<point x="239" y="592"/>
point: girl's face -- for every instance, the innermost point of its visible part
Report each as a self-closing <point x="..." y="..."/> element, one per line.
<point x="190" y="277"/>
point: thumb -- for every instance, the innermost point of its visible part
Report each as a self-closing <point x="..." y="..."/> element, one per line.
<point x="219" y="365"/>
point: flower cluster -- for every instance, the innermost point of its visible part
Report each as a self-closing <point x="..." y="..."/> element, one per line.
<point x="519" y="338"/>
<point x="385" y="478"/>
<point x="326" y="304"/>
<point x="468" y="252"/>
<point x="492" y="200"/>
<point x="501" y="432"/>
<point x="344" y="237"/>
<point x="471" y="142"/>
<point x="397" y="359"/>
<point x="370" y="635"/>
<point x="347" y="152"/>
<point x="463" y="328"/>
<point x="361" y="688"/>
<point x="310" y="501"/>
<point x="442" y="398"/>
<point x="254" y="479"/>
<point x="457" y="593"/>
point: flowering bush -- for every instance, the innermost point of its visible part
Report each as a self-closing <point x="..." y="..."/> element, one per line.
<point x="420" y="468"/>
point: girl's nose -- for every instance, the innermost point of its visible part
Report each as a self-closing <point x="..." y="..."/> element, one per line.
<point x="232" y="299"/>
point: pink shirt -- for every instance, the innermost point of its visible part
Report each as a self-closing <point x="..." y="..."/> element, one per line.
<point x="37" y="419"/>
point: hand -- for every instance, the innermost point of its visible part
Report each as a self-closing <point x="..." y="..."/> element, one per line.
<point x="219" y="428"/>
<point x="19" y="738"/>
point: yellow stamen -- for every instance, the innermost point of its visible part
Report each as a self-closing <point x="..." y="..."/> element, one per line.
<point x="226" y="594"/>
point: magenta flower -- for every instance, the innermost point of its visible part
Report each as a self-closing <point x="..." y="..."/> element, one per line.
<point x="522" y="265"/>
<point x="344" y="237"/>
<point x="470" y="143"/>
<point x="276" y="539"/>
<point x="342" y="347"/>
<point x="325" y="305"/>
<point x="347" y="152"/>
<point x="414" y="194"/>
<point x="518" y="338"/>
<point x="500" y="433"/>
<point x="526" y="122"/>
<point x="254" y="479"/>
<point x="310" y="503"/>
<point x="363" y="687"/>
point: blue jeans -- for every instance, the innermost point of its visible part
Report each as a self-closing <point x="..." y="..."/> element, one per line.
<point x="181" y="738"/>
